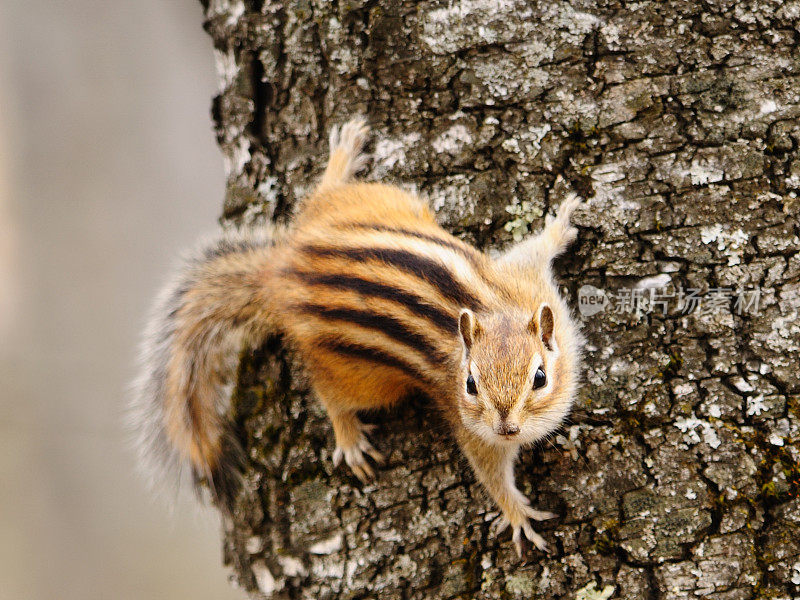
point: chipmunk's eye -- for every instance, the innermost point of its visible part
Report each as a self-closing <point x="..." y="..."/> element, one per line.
<point x="472" y="389"/>
<point x="539" y="379"/>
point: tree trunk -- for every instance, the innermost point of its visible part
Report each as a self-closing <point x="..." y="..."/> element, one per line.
<point x="679" y="473"/>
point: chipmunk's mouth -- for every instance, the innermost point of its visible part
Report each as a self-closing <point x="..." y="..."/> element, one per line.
<point x="505" y="440"/>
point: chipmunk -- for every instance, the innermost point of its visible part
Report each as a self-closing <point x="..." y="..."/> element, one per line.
<point x="378" y="301"/>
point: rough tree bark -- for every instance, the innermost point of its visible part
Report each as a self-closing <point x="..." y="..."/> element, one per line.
<point x="679" y="473"/>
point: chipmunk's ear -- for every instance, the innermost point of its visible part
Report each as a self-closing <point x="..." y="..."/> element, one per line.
<point x="468" y="327"/>
<point x="543" y="325"/>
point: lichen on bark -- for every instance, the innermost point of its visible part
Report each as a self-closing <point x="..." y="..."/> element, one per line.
<point x="678" y="474"/>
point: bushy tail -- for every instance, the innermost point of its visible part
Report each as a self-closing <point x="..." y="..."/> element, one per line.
<point x="217" y="303"/>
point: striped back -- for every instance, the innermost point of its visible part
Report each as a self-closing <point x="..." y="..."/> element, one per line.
<point x="370" y="276"/>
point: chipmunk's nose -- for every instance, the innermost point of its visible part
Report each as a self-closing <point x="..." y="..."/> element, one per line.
<point x="507" y="429"/>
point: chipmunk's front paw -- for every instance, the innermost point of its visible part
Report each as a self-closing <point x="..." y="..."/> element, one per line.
<point x="519" y="520"/>
<point x="353" y="455"/>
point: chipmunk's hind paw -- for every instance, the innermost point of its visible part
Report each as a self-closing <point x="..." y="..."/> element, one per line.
<point x="350" y="137"/>
<point x="346" y="147"/>
<point x="560" y="230"/>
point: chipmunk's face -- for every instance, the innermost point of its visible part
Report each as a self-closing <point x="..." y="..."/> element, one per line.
<point x="510" y="390"/>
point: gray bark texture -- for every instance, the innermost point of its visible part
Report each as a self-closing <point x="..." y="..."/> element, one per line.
<point x="678" y="475"/>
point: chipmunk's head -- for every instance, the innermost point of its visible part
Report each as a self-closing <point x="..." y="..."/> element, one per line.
<point x="517" y="383"/>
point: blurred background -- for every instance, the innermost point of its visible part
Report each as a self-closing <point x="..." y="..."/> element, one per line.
<point x="108" y="167"/>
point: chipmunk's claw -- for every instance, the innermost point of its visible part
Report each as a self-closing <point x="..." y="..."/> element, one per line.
<point x="355" y="459"/>
<point x="523" y="526"/>
<point x="540" y="515"/>
<point x="533" y="537"/>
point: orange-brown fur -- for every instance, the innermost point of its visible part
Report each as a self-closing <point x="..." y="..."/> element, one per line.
<point x="378" y="300"/>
